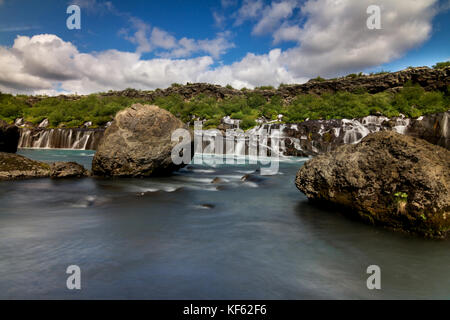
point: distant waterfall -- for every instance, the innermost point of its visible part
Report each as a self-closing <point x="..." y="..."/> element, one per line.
<point x="307" y="138"/>
<point x="78" y="138"/>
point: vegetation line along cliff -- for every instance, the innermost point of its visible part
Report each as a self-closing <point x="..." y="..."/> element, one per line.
<point x="412" y="92"/>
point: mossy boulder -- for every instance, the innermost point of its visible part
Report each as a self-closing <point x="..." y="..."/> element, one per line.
<point x="388" y="179"/>
<point x="14" y="166"/>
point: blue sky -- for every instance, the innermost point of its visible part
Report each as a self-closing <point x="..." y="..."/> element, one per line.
<point x="149" y="44"/>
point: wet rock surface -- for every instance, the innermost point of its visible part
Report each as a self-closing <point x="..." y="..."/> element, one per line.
<point x="388" y="179"/>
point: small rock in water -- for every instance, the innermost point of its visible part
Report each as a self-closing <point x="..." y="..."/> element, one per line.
<point x="67" y="170"/>
<point x="207" y="206"/>
<point x="217" y="180"/>
<point x="252" y="177"/>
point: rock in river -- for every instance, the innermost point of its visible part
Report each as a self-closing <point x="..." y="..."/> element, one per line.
<point x="67" y="170"/>
<point x="14" y="166"/>
<point x="9" y="137"/>
<point x="138" y="143"/>
<point x="388" y="179"/>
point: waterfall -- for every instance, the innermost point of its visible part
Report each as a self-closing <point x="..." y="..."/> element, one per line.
<point x="307" y="138"/>
<point x="312" y="137"/>
<point x="77" y="138"/>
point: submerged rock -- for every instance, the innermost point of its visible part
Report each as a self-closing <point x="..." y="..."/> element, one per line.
<point x="14" y="166"/>
<point x="67" y="170"/>
<point x="388" y="179"/>
<point x="217" y="180"/>
<point x="138" y="143"/>
<point x="9" y="137"/>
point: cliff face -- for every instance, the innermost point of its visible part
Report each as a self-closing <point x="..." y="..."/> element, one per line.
<point x="429" y="79"/>
<point x="315" y="137"/>
<point x="302" y="139"/>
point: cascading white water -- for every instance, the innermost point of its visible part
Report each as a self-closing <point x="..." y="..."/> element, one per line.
<point x="80" y="139"/>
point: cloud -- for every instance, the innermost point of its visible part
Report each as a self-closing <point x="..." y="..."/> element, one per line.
<point x="219" y="19"/>
<point x="335" y="40"/>
<point x="249" y="10"/>
<point x="253" y="70"/>
<point x="328" y="37"/>
<point x="273" y="15"/>
<point x="166" y="45"/>
<point x="45" y="62"/>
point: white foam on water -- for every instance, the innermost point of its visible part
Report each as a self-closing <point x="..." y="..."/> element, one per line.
<point x="251" y="184"/>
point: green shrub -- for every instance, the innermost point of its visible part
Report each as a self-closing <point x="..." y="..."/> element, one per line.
<point x="441" y="65"/>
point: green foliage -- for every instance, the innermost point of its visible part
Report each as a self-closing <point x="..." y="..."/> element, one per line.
<point x="265" y="88"/>
<point x="354" y="75"/>
<point x="402" y="195"/>
<point x="12" y="107"/>
<point x="412" y="101"/>
<point x="318" y="79"/>
<point x="441" y="65"/>
<point x="229" y="86"/>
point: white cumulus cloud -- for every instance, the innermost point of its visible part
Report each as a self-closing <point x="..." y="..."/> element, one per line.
<point x="328" y="37"/>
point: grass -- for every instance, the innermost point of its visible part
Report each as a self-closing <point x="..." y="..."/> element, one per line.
<point x="412" y="101"/>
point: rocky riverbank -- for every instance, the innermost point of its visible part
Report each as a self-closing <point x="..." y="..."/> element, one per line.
<point x="308" y="138"/>
<point x="388" y="179"/>
<point x="16" y="167"/>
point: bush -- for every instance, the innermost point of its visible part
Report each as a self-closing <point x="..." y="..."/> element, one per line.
<point x="441" y="65"/>
<point x="412" y="101"/>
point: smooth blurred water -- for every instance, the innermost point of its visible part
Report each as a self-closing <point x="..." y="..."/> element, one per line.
<point x="183" y="237"/>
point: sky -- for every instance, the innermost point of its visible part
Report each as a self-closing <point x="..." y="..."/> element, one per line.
<point x="245" y="43"/>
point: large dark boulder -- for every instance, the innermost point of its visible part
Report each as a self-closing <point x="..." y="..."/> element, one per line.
<point x="138" y="143"/>
<point x="9" y="137"/>
<point x="388" y="179"/>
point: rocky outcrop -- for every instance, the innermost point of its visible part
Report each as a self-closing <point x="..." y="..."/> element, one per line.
<point x="429" y="79"/>
<point x="67" y="170"/>
<point x="138" y="143"/>
<point x="9" y="137"/>
<point x="14" y="166"/>
<point x="388" y="179"/>
<point x="307" y="138"/>
<point x="313" y="137"/>
<point x="434" y="128"/>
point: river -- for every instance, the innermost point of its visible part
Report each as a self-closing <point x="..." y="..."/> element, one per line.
<point x="183" y="237"/>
